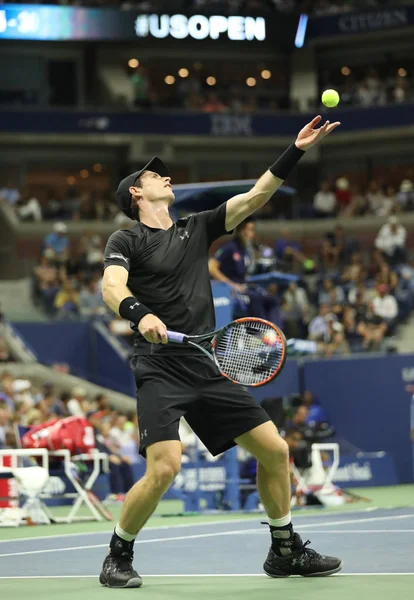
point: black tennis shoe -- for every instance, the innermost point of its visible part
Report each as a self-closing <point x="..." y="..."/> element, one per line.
<point x="117" y="570"/>
<point x="301" y="561"/>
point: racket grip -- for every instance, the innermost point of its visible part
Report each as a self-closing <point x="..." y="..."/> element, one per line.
<point x="174" y="336"/>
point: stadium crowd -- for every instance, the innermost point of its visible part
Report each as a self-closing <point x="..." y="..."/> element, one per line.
<point x="345" y="299"/>
<point x="369" y="86"/>
<point x="341" y="197"/>
<point x="24" y="405"/>
<point x="339" y="295"/>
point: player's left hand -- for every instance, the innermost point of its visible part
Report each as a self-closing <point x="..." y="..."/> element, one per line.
<point x="309" y="136"/>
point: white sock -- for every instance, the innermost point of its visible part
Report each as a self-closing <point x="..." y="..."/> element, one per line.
<point x="281" y="522"/>
<point x="128" y="537"/>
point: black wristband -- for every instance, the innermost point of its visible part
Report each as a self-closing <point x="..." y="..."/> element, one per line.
<point x="132" y="310"/>
<point x="285" y="163"/>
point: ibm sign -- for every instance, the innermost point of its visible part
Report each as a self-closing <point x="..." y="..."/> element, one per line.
<point x="200" y="27"/>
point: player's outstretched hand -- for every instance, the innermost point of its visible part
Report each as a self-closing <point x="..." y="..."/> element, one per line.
<point x="309" y="136"/>
<point x="153" y="329"/>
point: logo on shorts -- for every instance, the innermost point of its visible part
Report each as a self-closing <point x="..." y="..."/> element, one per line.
<point x="144" y="434"/>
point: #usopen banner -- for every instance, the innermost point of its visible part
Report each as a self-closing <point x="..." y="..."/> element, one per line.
<point x="38" y="22"/>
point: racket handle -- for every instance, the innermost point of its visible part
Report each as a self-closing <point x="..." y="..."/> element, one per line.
<point x="174" y="336"/>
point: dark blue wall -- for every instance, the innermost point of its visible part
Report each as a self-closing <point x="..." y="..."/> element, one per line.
<point x="367" y="402"/>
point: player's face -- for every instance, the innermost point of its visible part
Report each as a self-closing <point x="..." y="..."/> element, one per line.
<point x="248" y="233"/>
<point x="155" y="187"/>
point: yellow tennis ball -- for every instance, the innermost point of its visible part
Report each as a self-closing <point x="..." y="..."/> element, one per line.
<point x="330" y="98"/>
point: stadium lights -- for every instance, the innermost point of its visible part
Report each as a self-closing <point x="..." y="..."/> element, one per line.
<point x="301" y="30"/>
<point x="169" y="79"/>
<point x="346" y="71"/>
<point x="71" y="180"/>
<point x="266" y="74"/>
<point x="251" y="81"/>
<point x="133" y="63"/>
<point x="84" y="174"/>
<point x="402" y="72"/>
<point x="97" y="167"/>
<point x="211" y="80"/>
<point x="183" y="72"/>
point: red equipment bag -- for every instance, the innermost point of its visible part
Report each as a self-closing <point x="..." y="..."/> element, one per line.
<point x="72" y="433"/>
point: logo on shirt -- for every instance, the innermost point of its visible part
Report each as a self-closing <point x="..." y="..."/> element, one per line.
<point x="236" y="256"/>
<point x="185" y="235"/>
<point x="118" y="256"/>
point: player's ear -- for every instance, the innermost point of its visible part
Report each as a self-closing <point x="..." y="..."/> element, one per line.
<point x="134" y="191"/>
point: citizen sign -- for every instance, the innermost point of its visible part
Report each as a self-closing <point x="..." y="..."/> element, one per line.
<point x="383" y="19"/>
<point x="200" y="27"/>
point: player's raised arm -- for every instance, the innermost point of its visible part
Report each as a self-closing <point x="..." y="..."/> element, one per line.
<point x="241" y="206"/>
<point x="121" y="301"/>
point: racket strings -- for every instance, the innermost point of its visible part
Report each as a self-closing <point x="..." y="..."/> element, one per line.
<point x="249" y="352"/>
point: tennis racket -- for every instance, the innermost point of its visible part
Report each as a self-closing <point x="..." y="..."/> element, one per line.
<point x="247" y="351"/>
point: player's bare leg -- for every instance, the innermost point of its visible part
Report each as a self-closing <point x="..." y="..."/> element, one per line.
<point x="288" y="555"/>
<point x="163" y="464"/>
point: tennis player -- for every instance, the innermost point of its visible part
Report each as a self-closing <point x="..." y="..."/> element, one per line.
<point x="156" y="276"/>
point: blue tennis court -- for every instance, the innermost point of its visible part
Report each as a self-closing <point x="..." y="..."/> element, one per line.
<point x="221" y="557"/>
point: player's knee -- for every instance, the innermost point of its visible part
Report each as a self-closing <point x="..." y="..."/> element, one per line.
<point x="163" y="472"/>
<point x="276" y="455"/>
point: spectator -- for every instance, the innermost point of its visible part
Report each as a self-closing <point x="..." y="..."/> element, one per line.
<point x="10" y="194"/>
<point x="387" y="277"/>
<point x="213" y="104"/>
<point x="335" y="339"/>
<point x="234" y="260"/>
<point x="376" y="199"/>
<point x="46" y="280"/>
<point x="77" y="404"/>
<point x="67" y="301"/>
<point x="405" y="197"/>
<point x="385" y="306"/>
<point x="103" y="412"/>
<point x="140" y="85"/>
<point x="58" y="243"/>
<point x="342" y="194"/>
<point x="331" y="293"/>
<point x="232" y="263"/>
<point x="316" y="414"/>
<point x="289" y="251"/>
<point x="29" y="209"/>
<point x="372" y="329"/>
<point x="295" y="311"/>
<point x="324" y="201"/>
<point x="353" y="272"/>
<point x="357" y="205"/>
<point x="93" y="252"/>
<point x="318" y="327"/>
<point x="120" y="475"/>
<point x="391" y="240"/>
<point x="360" y="290"/>
<point x="91" y="303"/>
<point x="4" y="421"/>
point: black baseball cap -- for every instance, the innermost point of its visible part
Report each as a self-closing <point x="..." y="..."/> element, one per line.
<point x="123" y="196"/>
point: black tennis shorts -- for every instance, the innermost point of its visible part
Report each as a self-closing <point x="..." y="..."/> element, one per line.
<point x="171" y="387"/>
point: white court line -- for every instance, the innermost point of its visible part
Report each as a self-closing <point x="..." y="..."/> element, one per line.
<point x="198" y="536"/>
<point x="194" y="575"/>
<point x="297" y="516"/>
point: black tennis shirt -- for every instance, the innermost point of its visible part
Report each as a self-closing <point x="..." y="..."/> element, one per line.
<point x="168" y="273"/>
